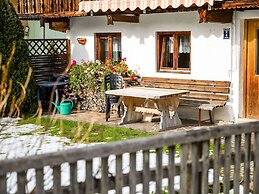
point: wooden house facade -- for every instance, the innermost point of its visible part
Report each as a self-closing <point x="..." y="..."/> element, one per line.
<point x="172" y="39"/>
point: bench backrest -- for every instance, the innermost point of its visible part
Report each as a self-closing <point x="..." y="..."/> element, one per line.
<point x="200" y="90"/>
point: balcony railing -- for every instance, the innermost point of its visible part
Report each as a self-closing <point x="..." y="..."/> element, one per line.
<point x="46" y="6"/>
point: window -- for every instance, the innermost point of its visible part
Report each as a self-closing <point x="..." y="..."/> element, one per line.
<point x="173" y="51"/>
<point x="108" y="45"/>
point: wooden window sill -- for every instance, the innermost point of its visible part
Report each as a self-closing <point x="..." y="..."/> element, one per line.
<point x="175" y="71"/>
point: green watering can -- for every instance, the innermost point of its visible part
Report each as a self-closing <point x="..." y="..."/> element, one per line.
<point x="65" y="107"/>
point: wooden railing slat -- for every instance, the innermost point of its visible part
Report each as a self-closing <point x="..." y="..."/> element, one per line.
<point x="247" y="161"/>
<point x="21" y="182"/>
<point x="73" y="178"/>
<point x="39" y="188"/>
<point x="3" y="188"/>
<point x="159" y="171"/>
<point x="89" y="180"/>
<point x="227" y="165"/>
<point x="205" y="167"/>
<point x="184" y="170"/>
<point x="256" y="164"/>
<point x="57" y="179"/>
<point x="195" y="169"/>
<point x="216" y="166"/>
<point x="132" y="174"/>
<point x="171" y="169"/>
<point x="118" y="179"/>
<point x="237" y="164"/>
<point x="104" y="179"/>
<point x="146" y="172"/>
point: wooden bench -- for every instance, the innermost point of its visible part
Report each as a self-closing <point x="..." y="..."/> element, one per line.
<point x="204" y="94"/>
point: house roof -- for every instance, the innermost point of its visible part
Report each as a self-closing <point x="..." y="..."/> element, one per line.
<point x="123" y="5"/>
<point x="237" y="5"/>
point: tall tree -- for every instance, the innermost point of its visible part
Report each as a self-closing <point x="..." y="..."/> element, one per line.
<point x="11" y="31"/>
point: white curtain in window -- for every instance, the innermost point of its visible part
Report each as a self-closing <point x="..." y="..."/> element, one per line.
<point x="171" y="44"/>
<point x="184" y="44"/>
<point x="116" y="44"/>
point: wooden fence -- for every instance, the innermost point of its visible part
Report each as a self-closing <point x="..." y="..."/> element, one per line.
<point x="48" y="57"/>
<point x="227" y="154"/>
<point x="46" y="6"/>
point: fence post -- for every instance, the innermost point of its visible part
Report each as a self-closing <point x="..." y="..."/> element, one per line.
<point x="256" y="164"/>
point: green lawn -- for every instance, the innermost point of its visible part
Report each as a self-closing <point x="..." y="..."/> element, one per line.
<point x="82" y="132"/>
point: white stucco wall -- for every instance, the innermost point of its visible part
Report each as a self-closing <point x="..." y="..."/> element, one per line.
<point x="211" y="55"/>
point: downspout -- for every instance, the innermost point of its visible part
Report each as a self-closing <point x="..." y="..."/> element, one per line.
<point x="235" y="93"/>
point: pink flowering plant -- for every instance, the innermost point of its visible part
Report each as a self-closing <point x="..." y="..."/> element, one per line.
<point x="119" y="67"/>
<point x="86" y="80"/>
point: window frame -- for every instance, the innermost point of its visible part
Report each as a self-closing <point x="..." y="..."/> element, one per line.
<point x="175" y="34"/>
<point x="110" y="42"/>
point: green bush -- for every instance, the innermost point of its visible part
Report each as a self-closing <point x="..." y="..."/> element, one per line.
<point x="85" y="86"/>
<point x="86" y="82"/>
<point x="11" y="31"/>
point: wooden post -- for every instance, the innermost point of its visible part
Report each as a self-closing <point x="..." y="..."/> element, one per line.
<point x="247" y="162"/>
<point x="159" y="171"/>
<point x="105" y="178"/>
<point x="3" y="187"/>
<point x="132" y="175"/>
<point x="56" y="179"/>
<point x="216" y="166"/>
<point x="256" y="164"/>
<point x="119" y="180"/>
<point x="89" y="180"/>
<point x="205" y="167"/>
<point x="171" y="169"/>
<point x="237" y="163"/>
<point x="39" y="181"/>
<point x="146" y="173"/>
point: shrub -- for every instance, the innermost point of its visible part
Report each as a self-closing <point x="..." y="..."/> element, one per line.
<point x="86" y="82"/>
<point x="11" y="30"/>
<point x="85" y="86"/>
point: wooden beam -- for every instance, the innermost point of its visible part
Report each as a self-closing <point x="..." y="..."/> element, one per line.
<point x="122" y="18"/>
<point x="59" y="26"/>
<point x="221" y="16"/>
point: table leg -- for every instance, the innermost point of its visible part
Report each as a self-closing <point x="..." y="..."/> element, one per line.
<point x="167" y="121"/>
<point x="130" y="115"/>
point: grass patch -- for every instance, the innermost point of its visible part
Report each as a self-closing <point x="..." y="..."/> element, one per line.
<point x="82" y="132"/>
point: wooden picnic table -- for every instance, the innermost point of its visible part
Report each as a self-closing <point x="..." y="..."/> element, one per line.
<point x="141" y="103"/>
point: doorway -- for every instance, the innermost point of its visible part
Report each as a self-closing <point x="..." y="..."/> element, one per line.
<point x="251" y="69"/>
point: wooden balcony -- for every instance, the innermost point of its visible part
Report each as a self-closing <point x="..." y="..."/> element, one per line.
<point x="29" y="9"/>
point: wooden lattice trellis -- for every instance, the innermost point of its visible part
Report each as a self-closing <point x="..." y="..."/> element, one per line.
<point x="48" y="57"/>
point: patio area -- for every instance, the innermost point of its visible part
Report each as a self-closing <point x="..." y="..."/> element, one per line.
<point x="99" y="118"/>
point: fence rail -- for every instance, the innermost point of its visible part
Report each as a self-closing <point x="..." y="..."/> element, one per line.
<point x="204" y="160"/>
